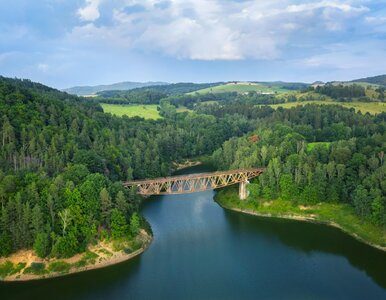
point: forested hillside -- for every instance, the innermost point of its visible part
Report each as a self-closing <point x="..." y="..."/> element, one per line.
<point x="120" y="86"/>
<point x="380" y="79"/>
<point x="62" y="159"/>
<point x="314" y="154"/>
<point x="149" y="95"/>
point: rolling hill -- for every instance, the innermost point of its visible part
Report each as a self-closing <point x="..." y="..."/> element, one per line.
<point x="92" y="90"/>
<point x="258" y="87"/>
<point x="378" y="80"/>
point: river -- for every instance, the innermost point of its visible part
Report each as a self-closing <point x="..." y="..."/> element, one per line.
<point x="201" y="251"/>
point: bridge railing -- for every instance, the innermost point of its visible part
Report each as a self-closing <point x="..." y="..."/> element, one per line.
<point x="192" y="182"/>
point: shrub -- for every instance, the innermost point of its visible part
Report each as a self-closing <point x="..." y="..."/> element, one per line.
<point x="36" y="268"/>
<point x="59" y="267"/>
<point x="6" y="269"/>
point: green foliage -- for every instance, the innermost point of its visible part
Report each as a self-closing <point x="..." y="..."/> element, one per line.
<point x="142" y="111"/>
<point x="6" y="269"/>
<point x="106" y="206"/>
<point x="362" y="202"/>
<point x="379" y="211"/>
<point x="36" y="268"/>
<point x="341" y="214"/>
<point x="5" y="244"/>
<point x="288" y="190"/>
<point x="245" y="88"/>
<point x="311" y="146"/>
<point x="364" y="107"/>
<point x="65" y="246"/>
<point x="42" y="244"/>
<point x="59" y="267"/>
<point x="134" y="224"/>
<point x="119" y="227"/>
<point x="254" y="190"/>
<point x="341" y="91"/>
<point x="343" y="161"/>
<point x="62" y="159"/>
<point x="167" y="110"/>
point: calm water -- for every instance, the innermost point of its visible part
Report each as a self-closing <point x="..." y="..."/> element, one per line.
<point x="201" y="251"/>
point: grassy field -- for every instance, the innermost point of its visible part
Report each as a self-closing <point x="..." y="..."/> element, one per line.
<point x="242" y="87"/>
<point x="370" y="107"/>
<point x="143" y="111"/>
<point x="341" y="215"/>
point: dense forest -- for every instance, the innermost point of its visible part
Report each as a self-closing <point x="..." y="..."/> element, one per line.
<point x="350" y="92"/>
<point x="314" y="154"/>
<point x="149" y="95"/>
<point x="62" y="160"/>
<point x="341" y="91"/>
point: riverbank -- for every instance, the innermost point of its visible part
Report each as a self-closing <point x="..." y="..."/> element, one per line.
<point x="185" y="164"/>
<point x="337" y="215"/>
<point x="191" y="162"/>
<point x="25" y="265"/>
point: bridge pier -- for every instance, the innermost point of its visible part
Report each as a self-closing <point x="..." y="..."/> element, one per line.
<point x="243" y="192"/>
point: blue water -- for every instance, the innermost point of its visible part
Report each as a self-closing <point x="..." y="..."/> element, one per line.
<point x="201" y="251"/>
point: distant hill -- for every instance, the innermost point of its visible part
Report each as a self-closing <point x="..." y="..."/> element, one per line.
<point x="258" y="87"/>
<point x="121" y="86"/>
<point x="380" y="80"/>
<point x="168" y="89"/>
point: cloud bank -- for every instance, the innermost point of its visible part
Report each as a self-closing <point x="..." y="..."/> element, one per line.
<point x="219" y="30"/>
<point x="97" y="41"/>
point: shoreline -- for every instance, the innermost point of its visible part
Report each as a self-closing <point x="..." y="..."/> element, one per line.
<point x="310" y="219"/>
<point x="190" y="162"/>
<point x="186" y="164"/>
<point x="113" y="258"/>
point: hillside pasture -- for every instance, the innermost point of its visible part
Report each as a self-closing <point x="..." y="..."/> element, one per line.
<point x="370" y="107"/>
<point x="242" y="87"/>
<point x="143" y="111"/>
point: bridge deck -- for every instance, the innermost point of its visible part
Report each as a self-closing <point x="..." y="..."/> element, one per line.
<point x="193" y="182"/>
<point x="191" y="176"/>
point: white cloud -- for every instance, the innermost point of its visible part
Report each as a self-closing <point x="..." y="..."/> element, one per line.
<point x="43" y="67"/>
<point x="90" y="12"/>
<point x="215" y="30"/>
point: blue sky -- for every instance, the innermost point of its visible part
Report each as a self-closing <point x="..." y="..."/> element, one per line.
<point x="63" y="43"/>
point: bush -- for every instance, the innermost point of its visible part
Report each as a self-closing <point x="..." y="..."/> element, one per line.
<point x="66" y="246"/>
<point x="36" y="268"/>
<point x="6" y="269"/>
<point x="87" y="259"/>
<point x="59" y="267"/>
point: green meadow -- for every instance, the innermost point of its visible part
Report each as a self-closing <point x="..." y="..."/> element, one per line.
<point x="142" y="111"/>
<point x="364" y="107"/>
<point x="242" y="87"/>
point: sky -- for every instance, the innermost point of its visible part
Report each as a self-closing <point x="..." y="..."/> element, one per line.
<point x="64" y="43"/>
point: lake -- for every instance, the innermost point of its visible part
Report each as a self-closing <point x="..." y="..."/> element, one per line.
<point x="201" y="251"/>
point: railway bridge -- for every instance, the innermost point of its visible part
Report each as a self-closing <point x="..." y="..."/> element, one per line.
<point x="195" y="182"/>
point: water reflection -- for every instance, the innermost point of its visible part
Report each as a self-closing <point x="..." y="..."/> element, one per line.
<point x="309" y="237"/>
